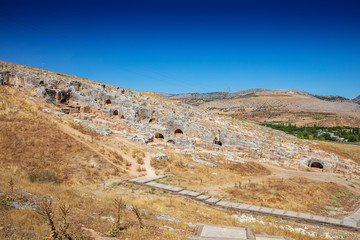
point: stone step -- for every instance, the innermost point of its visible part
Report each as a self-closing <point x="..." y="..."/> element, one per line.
<point x="212" y="200"/>
<point x="352" y="221"/>
<point x="319" y="218"/>
<point x="349" y="223"/>
<point x="189" y="193"/>
<point x="164" y="186"/>
<point x="223" y="204"/>
<point x="141" y="180"/>
<point x="202" y="197"/>
<point x="211" y="232"/>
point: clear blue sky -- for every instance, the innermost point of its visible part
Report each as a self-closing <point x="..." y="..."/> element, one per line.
<point x="190" y="46"/>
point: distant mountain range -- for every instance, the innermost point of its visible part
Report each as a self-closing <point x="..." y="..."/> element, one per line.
<point x="250" y="92"/>
<point x="357" y="99"/>
<point x="261" y="104"/>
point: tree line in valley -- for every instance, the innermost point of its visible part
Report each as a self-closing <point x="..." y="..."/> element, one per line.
<point x="338" y="133"/>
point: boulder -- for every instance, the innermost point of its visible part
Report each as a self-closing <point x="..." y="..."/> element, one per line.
<point x="136" y="138"/>
<point x="161" y="156"/>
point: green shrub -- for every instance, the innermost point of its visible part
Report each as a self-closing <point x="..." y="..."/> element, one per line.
<point x="43" y="177"/>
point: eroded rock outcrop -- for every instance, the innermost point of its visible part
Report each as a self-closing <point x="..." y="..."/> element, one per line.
<point x="158" y="120"/>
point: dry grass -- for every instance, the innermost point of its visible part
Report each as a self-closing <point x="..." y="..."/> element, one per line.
<point x="351" y="151"/>
<point x="286" y="194"/>
<point x="32" y="146"/>
<point x="138" y="155"/>
<point x="84" y="130"/>
<point x="201" y="176"/>
<point x="270" y="230"/>
<point x="248" y="169"/>
<point x="94" y="212"/>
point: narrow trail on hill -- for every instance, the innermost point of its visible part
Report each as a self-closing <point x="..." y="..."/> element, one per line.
<point x="133" y="169"/>
<point x="76" y="135"/>
<point x="150" y="171"/>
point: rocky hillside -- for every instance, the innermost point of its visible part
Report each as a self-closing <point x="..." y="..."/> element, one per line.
<point x="298" y="107"/>
<point x="107" y="109"/>
<point x="78" y="141"/>
<point x="357" y="99"/>
<point x="248" y="93"/>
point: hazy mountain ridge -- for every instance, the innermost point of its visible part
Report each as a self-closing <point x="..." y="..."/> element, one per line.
<point x="356" y="99"/>
<point x="261" y="104"/>
<point x="229" y="95"/>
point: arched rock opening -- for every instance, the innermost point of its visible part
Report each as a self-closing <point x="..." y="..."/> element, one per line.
<point x="178" y="132"/>
<point x="217" y="142"/>
<point x="316" y="165"/>
<point x="108" y="101"/>
<point x="116" y="112"/>
<point x="159" y="136"/>
<point x="152" y="120"/>
<point x="171" y="141"/>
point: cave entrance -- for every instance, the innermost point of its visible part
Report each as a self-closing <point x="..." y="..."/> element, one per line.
<point x="171" y="141"/>
<point x="316" y="165"/>
<point x="152" y="120"/>
<point x="122" y="117"/>
<point x="116" y="112"/>
<point x="108" y="102"/>
<point x="178" y="132"/>
<point x="159" y="136"/>
<point x="217" y="142"/>
<point x="41" y="83"/>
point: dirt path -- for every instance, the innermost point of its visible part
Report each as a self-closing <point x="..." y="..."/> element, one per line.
<point x="97" y="236"/>
<point x="76" y="136"/>
<point x="279" y="172"/>
<point x="149" y="170"/>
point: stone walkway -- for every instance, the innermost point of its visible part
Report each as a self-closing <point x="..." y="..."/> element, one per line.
<point x="207" y="232"/>
<point x="351" y="222"/>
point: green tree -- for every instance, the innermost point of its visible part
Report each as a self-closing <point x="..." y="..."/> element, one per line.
<point x="352" y="138"/>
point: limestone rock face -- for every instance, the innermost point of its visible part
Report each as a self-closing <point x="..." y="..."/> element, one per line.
<point x="161" y="156"/>
<point x="154" y="120"/>
<point x="176" y="124"/>
<point x="138" y="139"/>
<point x="2" y="81"/>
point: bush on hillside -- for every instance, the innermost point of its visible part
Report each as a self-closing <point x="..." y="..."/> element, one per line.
<point x="43" y="177"/>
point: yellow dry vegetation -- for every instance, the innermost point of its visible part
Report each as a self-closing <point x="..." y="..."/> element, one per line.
<point x="194" y="175"/>
<point x="297" y="194"/>
<point x="35" y="148"/>
<point x="344" y="150"/>
<point x="92" y="212"/>
<point x="45" y="161"/>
